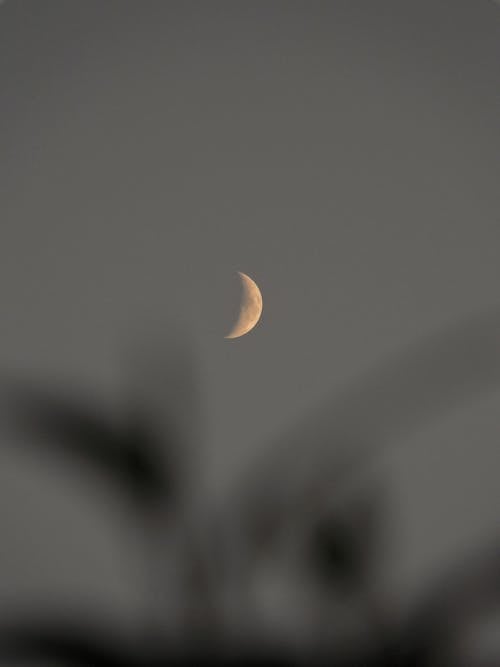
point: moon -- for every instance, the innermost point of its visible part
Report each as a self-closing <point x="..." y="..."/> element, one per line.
<point x="250" y="309"/>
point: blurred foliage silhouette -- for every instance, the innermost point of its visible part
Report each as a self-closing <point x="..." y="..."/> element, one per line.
<point x="126" y="453"/>
<point x="282" y="567"/>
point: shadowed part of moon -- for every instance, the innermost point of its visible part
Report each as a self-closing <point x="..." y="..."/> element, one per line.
<point x="250" y="310"/>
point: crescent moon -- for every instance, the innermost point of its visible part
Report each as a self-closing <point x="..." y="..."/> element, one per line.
<point x="250" y="309"/>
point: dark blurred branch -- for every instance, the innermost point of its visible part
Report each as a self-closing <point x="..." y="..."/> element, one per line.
<point x="72" y="644"/>
<point x="128" y="454"/>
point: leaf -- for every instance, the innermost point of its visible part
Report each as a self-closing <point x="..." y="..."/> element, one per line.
<point x="127" y="453"/>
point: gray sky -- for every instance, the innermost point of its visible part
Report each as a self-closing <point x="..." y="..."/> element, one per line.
<point x="345" y="155"/>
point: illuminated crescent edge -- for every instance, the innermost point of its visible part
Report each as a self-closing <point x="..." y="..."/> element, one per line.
<point x="250" y="309"/>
